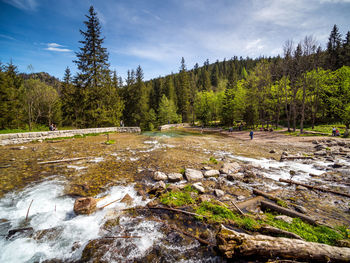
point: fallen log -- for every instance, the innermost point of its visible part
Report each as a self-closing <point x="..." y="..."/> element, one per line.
<point x="266" y="195"/>
<point x="233" y="244"/>
<point x="255" y="200"/>
<point x="286" y="211"/>
<point x="274" y="231"/>
<point x="237" y="208"/>
<point x="314" y="187"/>
<point x="64" y="160"/>
<point x="28" y="210"/>
<point x="283" y="157"/>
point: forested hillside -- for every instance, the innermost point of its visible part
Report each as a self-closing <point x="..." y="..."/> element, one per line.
<point x="307" y="85"/>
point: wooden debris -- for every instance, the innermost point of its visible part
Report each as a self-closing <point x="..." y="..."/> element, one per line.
<point x="239" y="210"/>
<point x="266" y="195"/>
<point x="273" y="231"/>
<point x="109" y="203"/>
<point x="255" y="200"/>
<point x="123" y="237"/>
<point x="286" y="211"/>
<point x="28" y="210"/>
<point x="314" y="187"/>
<point x="283" y="157"/>
<point x="64" y="160"/>
<point x="233" y="244"/>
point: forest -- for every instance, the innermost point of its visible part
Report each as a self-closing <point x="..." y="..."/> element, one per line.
<point x="306" y="86"/>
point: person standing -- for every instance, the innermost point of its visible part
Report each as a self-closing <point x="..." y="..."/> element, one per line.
<point x="251" y="134"/>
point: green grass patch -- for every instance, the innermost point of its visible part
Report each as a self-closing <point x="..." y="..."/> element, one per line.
<point x="320" y="234"/>
<point x="179" y="198"/>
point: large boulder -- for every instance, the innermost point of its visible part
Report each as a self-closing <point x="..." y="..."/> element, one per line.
<point x="85" y="205"/>
<point x="211" y="173"/>
<point x="175" y="177"/>
<point x="160" y="176"/>
<point x="193" y="175"/>
<point x="127" y="199"/>
<point x="230" y="168"/>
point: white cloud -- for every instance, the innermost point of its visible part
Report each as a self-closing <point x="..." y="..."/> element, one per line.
<point x="56" y="47"/>
<point x="7" y="37"/>
<point x="27" y="5"/>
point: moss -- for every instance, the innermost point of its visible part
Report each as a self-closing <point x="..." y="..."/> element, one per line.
<point x="213" y="160"/>
<point x="320" y="234"/>
<point x="109" y="142"/>
<point x="219" y="213"/>
<point x="179" y="198"/>
<point x="282" y="203"/>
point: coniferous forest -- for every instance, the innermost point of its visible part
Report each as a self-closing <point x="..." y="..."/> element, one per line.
<point x="307" y="85"/>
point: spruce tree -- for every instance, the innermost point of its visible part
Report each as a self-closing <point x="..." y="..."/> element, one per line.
<point x="334" y="48"/>
<point x="93" y="80"/>
<point x="183" y="91"/>
<point x="67" y="98"/>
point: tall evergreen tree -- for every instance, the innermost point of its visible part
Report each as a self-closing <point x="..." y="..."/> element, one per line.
<point x="183" y="91"/>
<point x="93" y="80"/>
<point x="334" y="48"/>
<point x="67" y="98"/>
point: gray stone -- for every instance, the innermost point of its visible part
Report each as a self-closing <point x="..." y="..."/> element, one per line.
<point x="301" y="209"/>
<point x="199" y="187"/>
<point x="301" y="188"/>
<point x="272" y="151"/>
<point x="159" y="176"/>
<point x="286" y="219"/>
<point x="230" y="168"/>
<point x="219" y="193"/>
<point x="193" y="175"/>
<point x="175" y="177"/>
<point x="211" y="173"/>
<point x="321" y="153"/>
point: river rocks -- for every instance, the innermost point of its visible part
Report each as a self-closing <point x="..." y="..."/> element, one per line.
<point x="160" y="176"/>
<point x="193" y="175"/>
<point x="286" y="219"/>
<point x="175" y="177"/>
<point x="211" y="173"/>
<point x="230" y="168"/>
<point x="321" y="153"/>
<point x="85" y="205"/>
<point x="199" y="187"/>
<point x="127" y="199"/>
<point x="48" y="234"/>
<point x="158" y="188"/>
<point x="234" y="177"/>
<point x="300" y="209"/>
<point x="272" y="151"/>
<point x="20" y="233"/>
<point x="219" y="193"/>
<point x="300" y="188"/>
<point x="204" y="198"/>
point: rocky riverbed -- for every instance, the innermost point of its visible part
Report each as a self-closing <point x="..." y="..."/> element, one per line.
<point x="134" y="178"/>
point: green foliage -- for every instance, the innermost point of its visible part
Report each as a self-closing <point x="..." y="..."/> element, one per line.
<point x="167" y="112"/>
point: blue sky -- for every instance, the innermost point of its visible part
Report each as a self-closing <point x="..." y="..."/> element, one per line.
<point x="157" y="33"/>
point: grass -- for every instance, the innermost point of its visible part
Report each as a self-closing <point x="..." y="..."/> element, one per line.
<point x="213" y="160"/>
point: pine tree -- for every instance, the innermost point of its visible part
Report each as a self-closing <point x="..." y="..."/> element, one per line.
<point x="183" y="91"/>
<point x="346" y="50"/>
<point x="67" y="98"/>
<point x="93" y="80"/>
<point x="334" y="48"/>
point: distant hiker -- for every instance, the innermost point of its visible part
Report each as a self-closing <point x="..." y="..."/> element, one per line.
<point x="54" y="128"/>
<point x="51" y="127"/>
<point x="121" y="123"/>
<point x="337" y="133"/>
<point x="251" y="134"/>
<point x="333" y="131"/>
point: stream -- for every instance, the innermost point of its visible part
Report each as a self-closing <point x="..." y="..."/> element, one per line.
<point x="57" y="233"/>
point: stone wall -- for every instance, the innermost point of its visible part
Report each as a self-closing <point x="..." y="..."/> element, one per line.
<point x="16" y="138"/>
<point x="169" y="126"/>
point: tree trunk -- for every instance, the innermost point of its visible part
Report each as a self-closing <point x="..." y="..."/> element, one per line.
<point x="233" y="244"/>
<point x="303" y="109"/>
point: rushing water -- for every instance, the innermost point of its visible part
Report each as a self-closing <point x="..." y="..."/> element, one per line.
<point x="51" y="210"/>
<point x="67" y="234"/>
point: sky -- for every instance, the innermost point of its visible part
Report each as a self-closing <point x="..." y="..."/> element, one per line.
<point x="43" y="35"/>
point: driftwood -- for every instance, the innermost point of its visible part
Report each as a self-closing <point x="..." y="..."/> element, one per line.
<point x="255" y="200"/>
<point x="175" y="210"/>
<point x="274" y="231"/>
<point x="283" y="157"/>
<point x="123" y="237"/>
<point x="109" y="203"/>
<point x="238" y="209"/>
<point x="233" y="244"/>
<point x="266" y="195"/>
<point x="286" y="211"/>
<point x="28" y="210"/>
<point x="64" y="160"/>
<point x="314" y="187"/>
